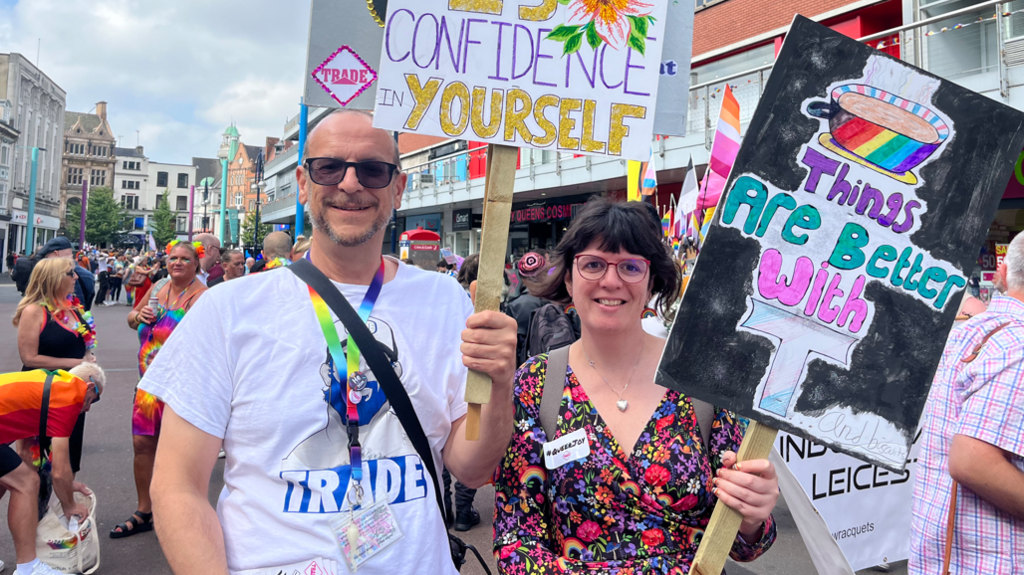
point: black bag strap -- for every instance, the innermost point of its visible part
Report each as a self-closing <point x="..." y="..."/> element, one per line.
<point x="44" y="413"/>
<point x="378" y="362"/>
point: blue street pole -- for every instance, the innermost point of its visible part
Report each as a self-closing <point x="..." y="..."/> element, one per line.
<point x="303" y="120"/>
<point x="30" y="238"/>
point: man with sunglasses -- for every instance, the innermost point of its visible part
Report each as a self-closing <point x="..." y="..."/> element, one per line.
<point x="282" y="415"/>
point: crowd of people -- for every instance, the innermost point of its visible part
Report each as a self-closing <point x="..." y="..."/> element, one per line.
<point x="267" y="373"/>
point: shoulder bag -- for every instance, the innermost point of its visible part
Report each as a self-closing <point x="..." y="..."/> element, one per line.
<point x="389" y="383"/>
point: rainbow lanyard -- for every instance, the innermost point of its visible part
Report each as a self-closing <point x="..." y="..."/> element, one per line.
<point x="348" y="371"/>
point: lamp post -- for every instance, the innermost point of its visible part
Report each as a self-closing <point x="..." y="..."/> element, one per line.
<point x="191" y="207"/>
<point x="81" y="223"/>
<point x="30" y="230"/>
<point x="299" y="211"/>
<point x="258" y="185"/>
<point x="206" y="200"/>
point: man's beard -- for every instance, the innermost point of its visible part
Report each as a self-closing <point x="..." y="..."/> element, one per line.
<point x="320" y="223"/>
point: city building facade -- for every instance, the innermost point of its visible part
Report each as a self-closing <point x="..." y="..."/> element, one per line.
<point x="975" y="43"/>
<point x="132" y="190"/>
<point x="8" y="139"/>
<point x="88" y="157"/>
<point x="35" y="107"/>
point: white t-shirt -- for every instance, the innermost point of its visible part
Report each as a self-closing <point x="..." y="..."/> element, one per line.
<point x="249" y="364"/>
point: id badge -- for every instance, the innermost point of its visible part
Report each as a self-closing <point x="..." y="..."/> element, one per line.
<point x="375" y="530"/>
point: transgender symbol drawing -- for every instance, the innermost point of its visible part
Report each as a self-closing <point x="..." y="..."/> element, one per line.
<point x="795" y="338"/>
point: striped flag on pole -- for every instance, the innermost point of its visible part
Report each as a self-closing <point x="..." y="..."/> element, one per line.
<point x="723" y="151"/>
<point x="641" y="180"/>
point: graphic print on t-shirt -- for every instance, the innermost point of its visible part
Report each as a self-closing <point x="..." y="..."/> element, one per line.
<point x="317" y="470"/>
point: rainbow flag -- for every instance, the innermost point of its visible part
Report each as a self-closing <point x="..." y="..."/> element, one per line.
<point x="723" y="151"/>
<point x="21" y="400"/>
<point x="666" y="223"/>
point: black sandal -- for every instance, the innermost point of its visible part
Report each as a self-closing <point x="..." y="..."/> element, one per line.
<point x="140" y="523"/>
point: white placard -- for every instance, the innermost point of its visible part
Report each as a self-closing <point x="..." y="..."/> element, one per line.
<point x="528" y="73"/>
<point x="866" y="507"/>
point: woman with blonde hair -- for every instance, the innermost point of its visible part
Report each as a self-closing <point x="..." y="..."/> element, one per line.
<point x="174" y="296"/>
<point x="54" y="332"/>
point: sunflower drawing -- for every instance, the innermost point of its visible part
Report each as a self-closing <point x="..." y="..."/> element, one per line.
<point x="617" y="23"/>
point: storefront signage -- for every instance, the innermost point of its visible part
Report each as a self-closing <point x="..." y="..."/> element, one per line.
<point x="430" y="222"/>
<point x="463" y="220"/>
<point x="830" y="274"/>
<point x="547" y="74"/>
<point x="45" y="222"/>
<point x="541" y="212"/>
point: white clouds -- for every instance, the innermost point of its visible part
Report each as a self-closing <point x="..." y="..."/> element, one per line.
<point x="178" y="71"/>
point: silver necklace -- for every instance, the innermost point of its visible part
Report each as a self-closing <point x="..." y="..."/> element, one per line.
<point x="622" y="404"/>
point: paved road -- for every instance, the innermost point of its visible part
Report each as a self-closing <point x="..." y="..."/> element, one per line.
<point x="107" y="466"/>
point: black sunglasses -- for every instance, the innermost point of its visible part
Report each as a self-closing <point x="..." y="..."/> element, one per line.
<point x="331" y="171"/>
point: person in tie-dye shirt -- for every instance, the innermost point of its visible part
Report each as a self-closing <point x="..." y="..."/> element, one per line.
<point x="174" y="297"/>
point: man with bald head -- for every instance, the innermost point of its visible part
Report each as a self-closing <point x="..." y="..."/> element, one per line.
<point x="277" y="246"/>
<point x="209" y="264"/>
<point x="250" y="366"/>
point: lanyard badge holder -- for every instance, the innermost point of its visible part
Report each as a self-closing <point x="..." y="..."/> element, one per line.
<point x="368" y="530"/>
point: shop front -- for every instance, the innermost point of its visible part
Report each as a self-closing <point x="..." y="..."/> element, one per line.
<point x="1008" y="223"/>
<point x="541" y="224"/>
<point x="45" y="229"/>
<point x="464" y="238"/>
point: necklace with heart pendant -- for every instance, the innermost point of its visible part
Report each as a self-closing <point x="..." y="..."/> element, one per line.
<point x="622" y="404"/>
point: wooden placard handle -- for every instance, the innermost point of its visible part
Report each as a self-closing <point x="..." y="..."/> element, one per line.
<point x="725" y="522"/>
<point x="501" y="178"/>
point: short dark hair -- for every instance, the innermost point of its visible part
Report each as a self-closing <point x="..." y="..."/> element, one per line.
<point x="630" y="226"/>
<point x="468" y="271"/>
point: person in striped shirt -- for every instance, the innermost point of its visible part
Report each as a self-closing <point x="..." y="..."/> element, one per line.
<point x="973" y="442"/>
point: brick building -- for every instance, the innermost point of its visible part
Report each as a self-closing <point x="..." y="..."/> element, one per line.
<point x="88" y="156"/>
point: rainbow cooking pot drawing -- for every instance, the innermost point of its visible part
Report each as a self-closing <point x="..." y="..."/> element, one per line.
<point x="879" y="130"/>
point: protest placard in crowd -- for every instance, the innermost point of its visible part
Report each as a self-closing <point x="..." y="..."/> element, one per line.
<point x="541" y="74"/>
<point x="836" y="260"/>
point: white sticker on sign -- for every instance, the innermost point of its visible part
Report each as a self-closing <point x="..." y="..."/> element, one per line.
<point x="571" y="447"/>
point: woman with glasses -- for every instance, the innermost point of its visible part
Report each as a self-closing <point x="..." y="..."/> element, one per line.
<point x="54" y="332"/>
<point x="155" y="316"/>
<point x="635" y="490"/>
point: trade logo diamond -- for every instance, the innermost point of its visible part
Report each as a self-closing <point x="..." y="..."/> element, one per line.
<point x="344" y="75"/>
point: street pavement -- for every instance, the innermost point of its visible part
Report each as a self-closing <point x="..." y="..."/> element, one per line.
<point x="107" y="466"/>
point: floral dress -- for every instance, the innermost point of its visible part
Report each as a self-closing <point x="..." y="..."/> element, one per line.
<point x="611" y="512"/>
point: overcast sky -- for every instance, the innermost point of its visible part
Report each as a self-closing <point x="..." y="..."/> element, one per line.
<point x="178" y="71"/>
